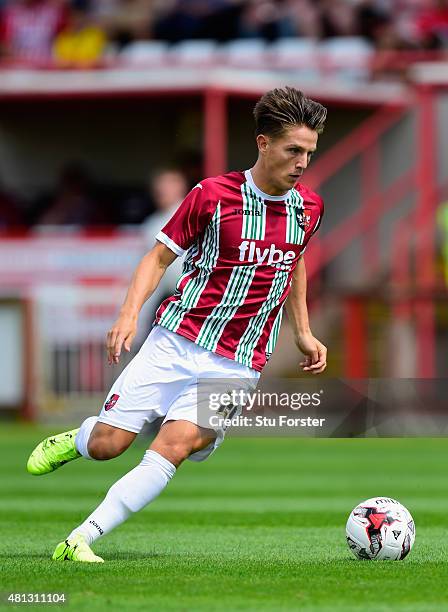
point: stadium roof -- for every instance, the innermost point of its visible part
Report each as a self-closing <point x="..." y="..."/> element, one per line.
<point x="116" y="82"/>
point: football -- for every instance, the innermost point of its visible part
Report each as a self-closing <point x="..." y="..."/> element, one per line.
<point x="380" y="528"/>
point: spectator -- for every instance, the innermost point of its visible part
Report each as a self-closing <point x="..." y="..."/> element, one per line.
<point x="10" y="212"/>
<point x="304" y="17"/>
<point x="29" y="27"/>
<point x="196" y="19"/>
<point x="126" y="20"/>
<point x="222" y="24"/>
<point x="432" y="26"/>
<point x="337" y="18"/>
<point x="265" y="19"/>
<point x="73" y="203"/>
<point x="372" y="16"/>
<point x="81" y="42"/>
<point x="191" y="164"/>
<point x="168" y="187"/>
<point x="391" y="28"/>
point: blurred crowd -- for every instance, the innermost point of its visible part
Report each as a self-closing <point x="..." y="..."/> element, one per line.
<point x="79" y="200"/>
<point x="82" y="31"/>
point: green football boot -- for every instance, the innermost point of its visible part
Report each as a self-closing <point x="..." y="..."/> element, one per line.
<point x="53" y="452"/>
<point x="75" y="549"/>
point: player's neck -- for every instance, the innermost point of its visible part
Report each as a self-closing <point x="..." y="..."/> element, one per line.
<point x="263" y="182"/>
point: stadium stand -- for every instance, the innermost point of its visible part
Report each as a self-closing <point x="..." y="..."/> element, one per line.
<point x="113" y="95"/>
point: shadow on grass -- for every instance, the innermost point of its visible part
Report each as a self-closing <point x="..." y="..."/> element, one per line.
<point x="25" y="555"/>
<point x="113" y="556"/>
<point x="125" y="555"/>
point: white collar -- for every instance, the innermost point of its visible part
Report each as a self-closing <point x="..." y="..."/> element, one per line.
<point x="262" y="194"/>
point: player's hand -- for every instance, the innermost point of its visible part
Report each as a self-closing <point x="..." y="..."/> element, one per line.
<point x="315" y="352"/>
<point x="121" y="335"/>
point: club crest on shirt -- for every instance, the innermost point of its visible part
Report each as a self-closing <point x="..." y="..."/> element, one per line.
<point x="304" y="218"/>
<point x="111" y="401"/>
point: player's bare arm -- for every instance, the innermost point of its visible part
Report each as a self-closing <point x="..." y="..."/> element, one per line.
<point x="315" y="352"/>
<point x="238" y="267"/>
<point x="144" y="282"/>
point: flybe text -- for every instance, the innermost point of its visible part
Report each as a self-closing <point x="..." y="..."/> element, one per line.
<point x="269" y="255"/>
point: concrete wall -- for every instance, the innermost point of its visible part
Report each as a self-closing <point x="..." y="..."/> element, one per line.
<point x="118" y="140"/>
<point x="121" y="140"/>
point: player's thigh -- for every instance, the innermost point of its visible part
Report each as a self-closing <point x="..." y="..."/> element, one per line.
<point x="178" y="439"/>
<point x="149" y="384"/>
<point x="107" y="441"/>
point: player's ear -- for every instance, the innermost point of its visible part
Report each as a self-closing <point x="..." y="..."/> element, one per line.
<point x="262" y="143"/>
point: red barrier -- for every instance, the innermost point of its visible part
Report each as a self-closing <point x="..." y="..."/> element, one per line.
<point x="356" y="338"/>
<point x="215" y="132"/>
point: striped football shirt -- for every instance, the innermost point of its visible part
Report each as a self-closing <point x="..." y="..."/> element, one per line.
<point x="241" y="246"/>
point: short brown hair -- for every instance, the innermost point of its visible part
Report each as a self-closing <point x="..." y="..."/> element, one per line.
<point x="279" y="109"/>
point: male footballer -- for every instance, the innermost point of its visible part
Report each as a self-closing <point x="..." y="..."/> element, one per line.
<point x="243" y="235"/>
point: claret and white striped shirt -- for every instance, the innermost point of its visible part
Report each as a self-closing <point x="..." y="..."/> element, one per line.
<point x="241" y="246"/>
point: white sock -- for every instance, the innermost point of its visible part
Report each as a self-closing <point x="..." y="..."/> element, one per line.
<point x="129" y="494"/>
<point x="83" y="435"/>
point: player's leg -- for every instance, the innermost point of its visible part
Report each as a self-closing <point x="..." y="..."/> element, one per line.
<point x="159" y="374"/>
<point x="179" y="439"/>
<point x="176" y="441"/>
<point x="103" y="437"/>
<point x="107" y="441"/>
<point x="93" y="440"/>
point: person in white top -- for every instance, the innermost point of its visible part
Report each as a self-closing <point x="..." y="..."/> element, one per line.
<point x="168" y="187"/>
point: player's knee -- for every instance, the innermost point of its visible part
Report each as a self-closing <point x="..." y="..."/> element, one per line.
<point x="180" y="452"/>
<point x="176" y="453"/>
<point x="103" y="448"/>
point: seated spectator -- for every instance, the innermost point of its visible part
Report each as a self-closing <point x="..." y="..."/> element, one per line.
<point x="304" y="17"/>
<point x="190" y="161"/>
<point x="81" y="42"/>
<point x="391" y="32"/>
<point x="337" y="18"/>
<point x="371" y="17"/>
<point x="29" y="27"/>
<point x="73" y="203"/>
<point x="190" y="19"/>
<point x="10" y="213"/>
<point x="433" y="26"/>
<point x="125" y="20"/>
<point x="265" y="19"/>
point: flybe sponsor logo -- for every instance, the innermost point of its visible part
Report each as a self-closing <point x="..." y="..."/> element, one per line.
<point x="271" y="256"/>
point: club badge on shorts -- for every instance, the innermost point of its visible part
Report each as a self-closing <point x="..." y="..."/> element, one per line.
<point x="111" y="401"/>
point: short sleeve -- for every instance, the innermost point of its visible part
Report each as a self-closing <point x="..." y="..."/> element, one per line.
<point x="189" y="220"/>
<point x="316" y="220"/>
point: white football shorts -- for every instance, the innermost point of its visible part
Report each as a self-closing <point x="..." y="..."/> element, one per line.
<point x="162" y="381"/>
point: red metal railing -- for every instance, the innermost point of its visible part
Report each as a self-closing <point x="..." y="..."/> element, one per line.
<point x="364" y="142"/>
<point x="421" y="179"/>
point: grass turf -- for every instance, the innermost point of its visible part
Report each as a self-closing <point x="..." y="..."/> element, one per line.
<point x="259" y="526"/>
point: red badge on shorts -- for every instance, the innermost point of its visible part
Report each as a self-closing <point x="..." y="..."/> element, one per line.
<point x="111" y="401"/>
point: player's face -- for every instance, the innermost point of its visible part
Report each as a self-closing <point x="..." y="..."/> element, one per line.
<point x="287" y="156"/>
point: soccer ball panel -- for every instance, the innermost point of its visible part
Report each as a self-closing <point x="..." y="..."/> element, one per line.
<point x="380" y="528"/>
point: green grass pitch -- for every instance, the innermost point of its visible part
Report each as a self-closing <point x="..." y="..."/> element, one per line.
<point x="259" y="526"/>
